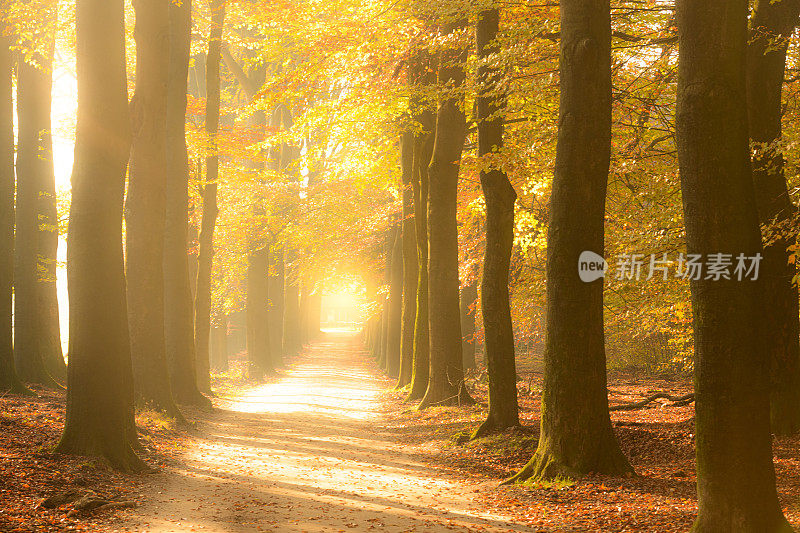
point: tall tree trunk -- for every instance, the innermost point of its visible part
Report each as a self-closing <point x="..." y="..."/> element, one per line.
<point x="305" y="294"/>
<point x="145" y="208"/>
<point x="99" y="395"/>
<point x="469" y="301"/>
<point x="446" y="378"/>
<point x="219" y="345"/>
<point x="178" y="303"/>
<point x="8" y="374"/>
<point x="276" y="311"/>
<point x="291" y="303"/>
<point x="422" y="112"/>
<point x="500" y="198"/>
<point x="258" y="343"/>
<point x="315" y="313"/>
<point x="202" y="305"/>
<point x="410" y="265"/>
<point x="395" y="307"/>
<point x="576" y="435"/>
<point x="772" y="24"/>
<point x="37" y="342"/>
<point x="291" y="328"/>
<point x="735" y="474"/>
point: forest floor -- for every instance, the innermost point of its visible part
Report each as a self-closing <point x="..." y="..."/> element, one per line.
<point x="328" y="445"/>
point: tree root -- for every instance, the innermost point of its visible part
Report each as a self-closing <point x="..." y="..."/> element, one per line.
<point x="488" y="427"/>
<point x="677" y="401"/>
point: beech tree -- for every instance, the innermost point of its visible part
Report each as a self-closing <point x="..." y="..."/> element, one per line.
<point x="202" y="305"/>
<point x="395" y="306"/>
<point x="178" y="302"/>
<point x="446" y="378"/>
<point x="37" y="337"/>
<point x="145" y="208"/>
<point x="8" y="374"/>
<point x="771" y="25"/>
<point x="99" y="393"/>
<point x="735" y="474"/>
<point x="422" y="113"/>
<point x="576" y="435"/>
<point x="410" y="264"/>
<point x="468" y="302"/>
<point x="500" y="198"/>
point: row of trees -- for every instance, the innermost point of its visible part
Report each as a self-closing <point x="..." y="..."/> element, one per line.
<point x="730" y="81"/>
<point x="335" y="137"/>
<point x="142" y="301"/>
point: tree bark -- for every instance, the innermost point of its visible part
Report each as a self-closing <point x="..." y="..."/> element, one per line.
<point x="178" y="303"/>
<point x="259" y="346"/>
<point x="500" y="198"/>
<point x="305" y="293"/>
<point x="576" y="435"/>
<point x="202" y="305"/>
<point x="771" y="26"/>
<point x="315" y="313"/>
<point x="423" y="114"/>
<point x="469" y="301"/>
<point x="8" y="375"/>
<point x="394" y="309"/>
<point x="258" y="343"/>
<point x="145" y="208"/>
<point x="446" y="378"/>
<point x="99" y="394"/>
<point x="735" y="475"/>
<point x="276" y="311"/>
<point x="410" y="263"/>
<point x="37" y="339"/>
<point x="219" y="345"/>
<point x="291" y="303"/>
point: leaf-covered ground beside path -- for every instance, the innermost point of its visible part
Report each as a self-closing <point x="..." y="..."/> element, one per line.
<point x="419" y="447"/>
<point x="659" y="441"/>
<point x="30" y="472"/>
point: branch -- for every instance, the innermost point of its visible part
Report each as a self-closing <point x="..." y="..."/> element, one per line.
<point x="677" y="401"/>
<point x="244" y="80"/>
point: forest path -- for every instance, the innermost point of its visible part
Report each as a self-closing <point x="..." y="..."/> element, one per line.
<point x="308" y="453"/>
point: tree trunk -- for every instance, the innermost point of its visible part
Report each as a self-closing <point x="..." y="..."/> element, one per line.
<point x="291" y="323"/>
<point x="410" y="265"/>
<point x="99" y="395"/>
<point x="576" y="435"/>
<point x="276" y="311"/>
<point x="735" y="474"/>
<point x="202" y="305"/>
<point x="772" y="24"/>
<point x="384" y="306"/>
<point x="395" y="307"/>
<point x="219" y="345"/>
<point x="178" y="303"/>
<point x="500" y="198"/>
<point x="145" y="208"/>
<point x="422" y="112"/>
<point x="446" y="378"/>
<point x="258" y="343"/>
<point x="469" y="301"/>
<point x="315" y="313"/>
<point x="305" y="294"/>
<point x="8" y="374"/>
<point x="36" y="335"/>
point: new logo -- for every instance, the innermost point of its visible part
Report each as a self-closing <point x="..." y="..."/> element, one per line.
<point x="591" y="266"/>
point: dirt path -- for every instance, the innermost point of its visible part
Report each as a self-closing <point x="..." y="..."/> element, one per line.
<point x="308" y="453"/>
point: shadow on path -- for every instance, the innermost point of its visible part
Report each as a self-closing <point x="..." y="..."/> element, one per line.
<point x="308" y="453"/>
